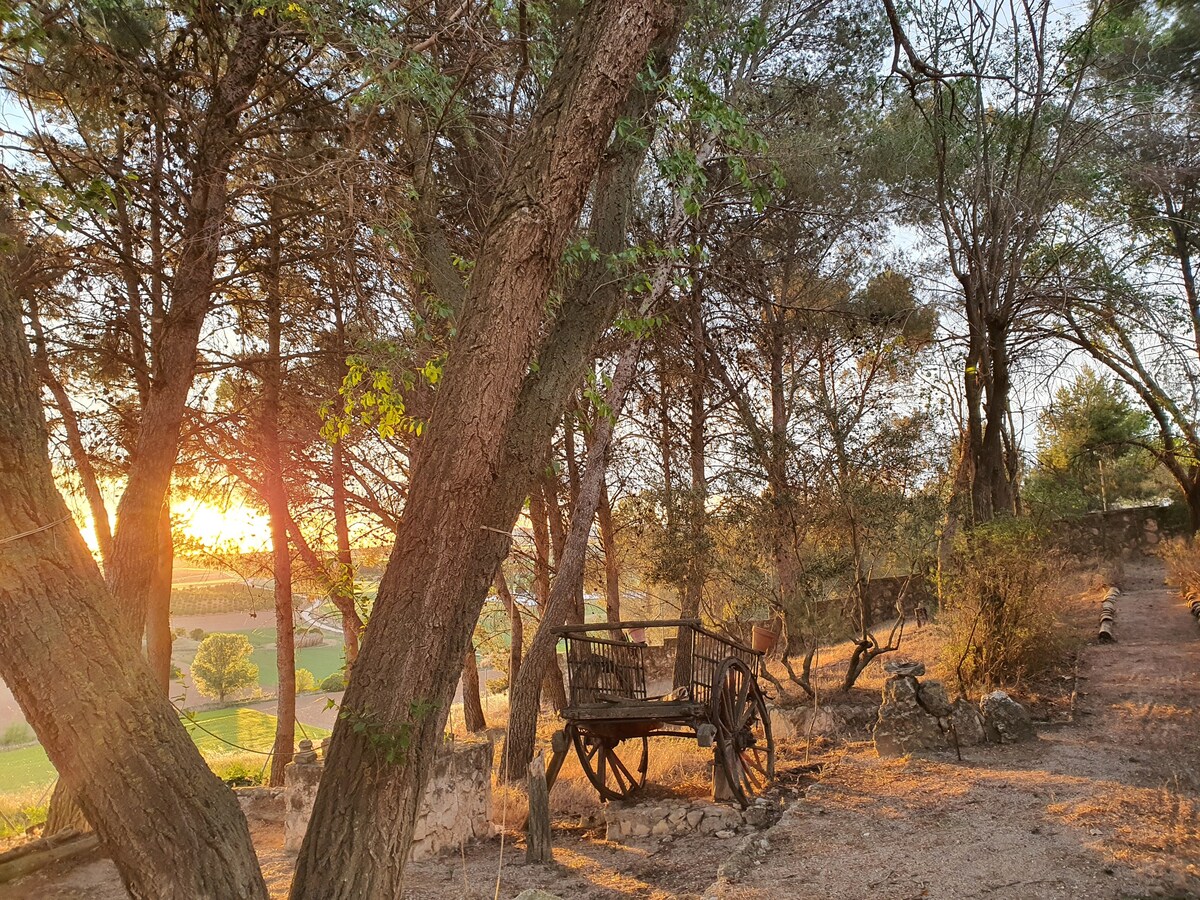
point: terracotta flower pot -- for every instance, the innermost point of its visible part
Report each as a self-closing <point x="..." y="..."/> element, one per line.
<point x="763" y="639"/>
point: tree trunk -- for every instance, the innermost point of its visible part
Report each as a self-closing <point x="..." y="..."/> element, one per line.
<point x="158" y="611"/>
<point x="608" y="541"/>
<point x="523" y="699"/>
<point x="516" y="625"/>
<point x="344" y="585"/>
<point x="472" y="702"/>
<point x="275" y="489"/>
<point x="172" y="828"/>
<point x="101" y="527"/>
<point x="463" y="500"/>
<point x="693" y="590"/>
<point x="136" y="536"/>
<point x="539" y="516"/>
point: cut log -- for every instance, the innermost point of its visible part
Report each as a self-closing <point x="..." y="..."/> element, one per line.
<point x="538" y="846"/>
<point x="1108" y="616"/>
<point x="33" y="856"/>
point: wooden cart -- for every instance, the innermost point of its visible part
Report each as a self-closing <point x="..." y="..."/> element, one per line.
<point x="715" y="699"/>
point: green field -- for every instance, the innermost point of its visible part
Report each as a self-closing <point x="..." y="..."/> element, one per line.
<point x="213" y="731"/>
<point x="322" y="661"/>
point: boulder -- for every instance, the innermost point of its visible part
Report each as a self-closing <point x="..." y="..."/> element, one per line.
<point x="968" y="723"/>
<point x="933" y="699"/>
<point x="1004" y="719"/>
<point x="904" y="667"/>
<point x="904" y="726"/>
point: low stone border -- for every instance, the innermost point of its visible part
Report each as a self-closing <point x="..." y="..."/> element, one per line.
<point x="657" y="819"/>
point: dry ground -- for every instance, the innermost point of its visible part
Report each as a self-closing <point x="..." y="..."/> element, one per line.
<point x="1104" y="807"/>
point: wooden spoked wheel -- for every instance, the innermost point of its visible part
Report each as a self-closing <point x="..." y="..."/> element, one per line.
<point x="616" y="767"/>
<point x="743" y="744"/>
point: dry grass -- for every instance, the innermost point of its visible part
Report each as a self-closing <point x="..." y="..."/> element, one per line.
<point x="1182" y="557"/>
<point x="21" y="811"/>
<point x="1077" y="593"/>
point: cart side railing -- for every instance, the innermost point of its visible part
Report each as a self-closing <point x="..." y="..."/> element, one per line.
<point x="602" y="666"/>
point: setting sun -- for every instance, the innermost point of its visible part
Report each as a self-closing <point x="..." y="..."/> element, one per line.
<point x="236" y="527"/>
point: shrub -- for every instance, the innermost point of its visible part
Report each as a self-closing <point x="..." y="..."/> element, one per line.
<point x="16" y="733"/>
<point x="305" y="681"/>
<point x="222" y="665"/>
<point x="1000" y="606"/>
<point x="334" y="682"/>
<point x="196" y="634"/>
<point x="1182" y="557"/>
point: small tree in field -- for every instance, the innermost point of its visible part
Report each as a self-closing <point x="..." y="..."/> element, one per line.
<point x="222" y="665"/>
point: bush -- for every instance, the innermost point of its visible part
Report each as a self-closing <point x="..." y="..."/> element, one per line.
<point x="222" y="665"/>
<point x="1182" y="557"/>
<point x="16" y="733"/>
<point x="334" y="682"/>
<point x="305" y="681"/>
<point x="1000" y="605"/>
<point x="196" y="634"/>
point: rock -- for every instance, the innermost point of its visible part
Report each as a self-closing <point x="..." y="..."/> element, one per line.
<point x="903" y="725"/>
<point x="694" y="817"/>
<point x="1004" y="719"/>
<point x="797" y="724"/>
<point x="661" y="827"/>
<point x="933" y="698"/>
<point x="968" y="723"/>
<point x="724" y="833"/>
<point x="904" y="667"/>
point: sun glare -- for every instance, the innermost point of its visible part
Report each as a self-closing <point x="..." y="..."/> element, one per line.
<point x="234" y="527"/>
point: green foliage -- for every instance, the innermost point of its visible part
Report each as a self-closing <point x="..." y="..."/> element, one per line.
<point x="334" y="682"/>
<point x="22" y="810"/>
<point x="1092" y="450"/>
<point x="999" y="601"/>
<point x="196" y="634"/>
<point x="222" y="665"/>
<point x="390" y="741"/>
<point x="16" y="733"/>
<point x="305" y="682"/>
<point x="373" y="396"/>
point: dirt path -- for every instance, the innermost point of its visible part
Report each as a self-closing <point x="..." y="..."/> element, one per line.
<point x="1103" y="808"/>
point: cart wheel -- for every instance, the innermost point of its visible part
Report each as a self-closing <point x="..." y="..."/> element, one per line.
<point x="744" y="746"/>
<point x="615" y="767"/>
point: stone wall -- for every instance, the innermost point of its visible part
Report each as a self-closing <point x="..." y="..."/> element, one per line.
<point x="1118" y="532"/>
<point x="261" y="804"/>
<point x="457" y="806"/>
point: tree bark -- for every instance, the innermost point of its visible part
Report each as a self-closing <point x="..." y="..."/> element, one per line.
<point x="172" y="828"/>
<point x="276" y="495"/>
<point x="158" y="611"/>
<point x="472" y="702"/>
<point x="463" y="501"/>
<point x="540" y="519"/>
<point x="516" y="625"/>
<point x="608" y="542"/>
<point x="344" y="587"/>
